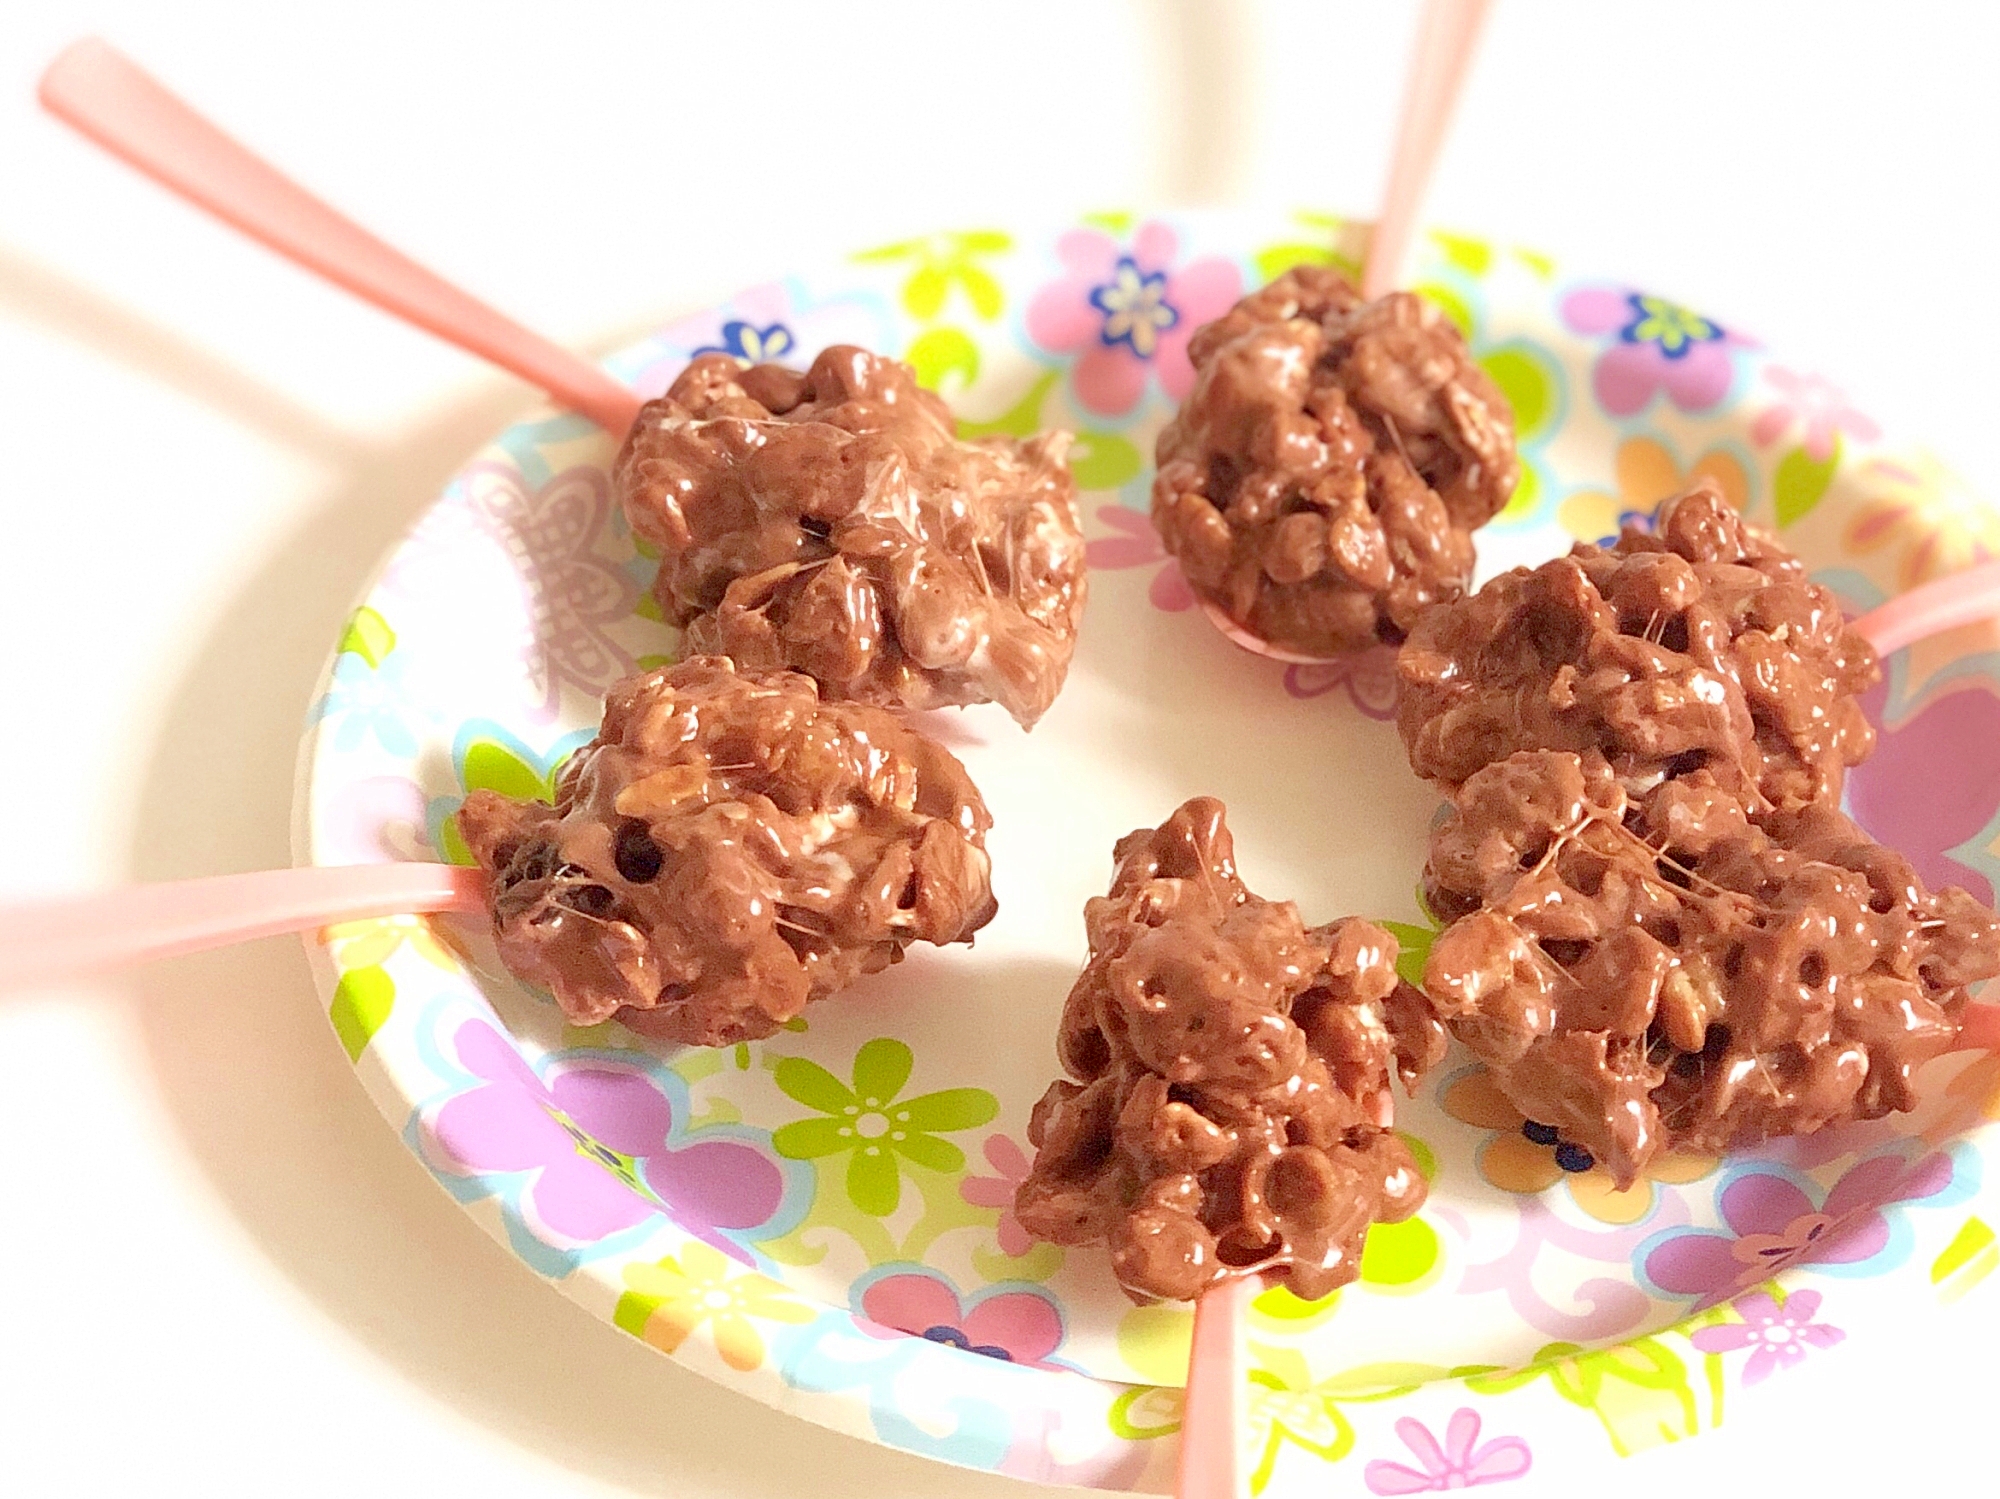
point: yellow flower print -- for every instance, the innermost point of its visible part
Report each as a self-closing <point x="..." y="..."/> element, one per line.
<point x="1646" y="473"/>
<point x="1969" y="1258"/>
<point x="1528" y="1158"/>
<point x="368" y="944"/>
<point x="1287" y="1406"/>
<point x="944" y="262"/>
<point x="665" y="1302"/>
<point x="1640" y="1390"/>
<point x="1289" y="1410"/>
<point x="1929" y="512"/>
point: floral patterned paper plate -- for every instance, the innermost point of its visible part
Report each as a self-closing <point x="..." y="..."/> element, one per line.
<point x="822" y="1220"/>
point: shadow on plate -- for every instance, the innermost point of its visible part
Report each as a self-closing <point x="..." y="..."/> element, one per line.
<point x="249" y="1072"/>
<point x="245" y="1062"/>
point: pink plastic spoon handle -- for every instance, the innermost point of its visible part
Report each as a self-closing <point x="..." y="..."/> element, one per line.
<point x="1980" y="1029"/>
<point x="125" y="110"/>
<point x="1218" y="1395"/>
<point x="1940" y="605"/>
<point x="1446" y="35"/>
<point x="50" y="940"/>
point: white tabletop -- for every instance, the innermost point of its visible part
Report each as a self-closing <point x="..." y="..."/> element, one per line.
<point x="217" y="1267"/>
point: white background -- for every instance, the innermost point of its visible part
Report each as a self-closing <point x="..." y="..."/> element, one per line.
<point x="219" y="1272"/>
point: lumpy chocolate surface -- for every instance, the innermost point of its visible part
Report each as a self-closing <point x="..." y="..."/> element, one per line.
<point x="833" y="522"/>
<point x="1228" y="1075"/>
<point x="1322" y="480"/>
<point x="1680" y="969"/>
<point x="1701" y="644"/>
<point x="727" y="849"/>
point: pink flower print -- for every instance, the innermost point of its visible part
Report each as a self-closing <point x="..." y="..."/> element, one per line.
<point x="1820" y="405"/>
<point x="1462" y="1461"/>
<point x="1018" y="1327"/>
<point x="1138" y="545"/>
<point x="595" y="1138"/>
<point x="1011" y="1162"/>
<point x="1773" y="1224"/>
<point x="1933" y="785"/>
<point x="1125" y="311"/>
<point x="1941" y="523"/>
<point x="1779" y="1335"/>
<point x="1369" y="677"/>
<point x="1657" y="345"/>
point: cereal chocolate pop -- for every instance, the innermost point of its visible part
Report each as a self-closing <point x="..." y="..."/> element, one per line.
<point x="1321" y="483"/>
<point x="728" y="848"/>
<point x="1664" y="935"/>
<point x="1676" y="969"/>
<point x="833" y="522"/>
<point x="1700" y="645"/>
<point x="1229" y="1074"/>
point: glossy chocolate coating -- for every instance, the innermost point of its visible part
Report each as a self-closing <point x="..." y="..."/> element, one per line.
<point x="833" y="522"/>
<point x="727" y="849"/>
<point x="1680" y="971"/>
<point x="1322" y="480"/>
<point x="1229" y="1072"/>
<point x="1701" y="644"/>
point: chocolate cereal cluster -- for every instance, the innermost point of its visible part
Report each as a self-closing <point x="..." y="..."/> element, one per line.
<point x="1658" y="929"/>
<point x="729" y="848"/>
<point x="1697" y="645"/>
<point x="832" y="522"/>
<point x="1679" y="970"/>
<point x="1321" y="483"/>
<point x="1663" y="934"/>
<point x="1228" y="1079"/>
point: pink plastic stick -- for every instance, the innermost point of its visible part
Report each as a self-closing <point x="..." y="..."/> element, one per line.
<point x="1445" y="38"/>
<point x="51" y="940"/>
<point x="1218" y="1394"/>
<point x="1980" y="1030"/>
<point x="118" y="105"/>
<point x="1940" y="605"/>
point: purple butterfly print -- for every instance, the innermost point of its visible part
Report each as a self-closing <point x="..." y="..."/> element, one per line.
<point x="556" y="546"/>
<point x="573" y="595"/>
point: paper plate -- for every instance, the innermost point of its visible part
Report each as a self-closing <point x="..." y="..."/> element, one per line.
<point x="1530" y="1315"/>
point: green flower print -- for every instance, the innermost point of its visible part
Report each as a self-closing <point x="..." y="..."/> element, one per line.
<point x="1462" y="252"/>
<point x="488" y="757"/>
<point x="1669" y="325"/>
<point x="1641" y="1391"/>
<point x="869" y="1120"/>
<point x="1331" y="243"/>
<point x="946" y="360"/>
<point x="1413" y="942"/>
<point x="1288" y="1407"/>
<point x="368" y="636"/>
<point x="1099" y="460"/>
<point x="361" y="1005"/>
<point x="1969" y="1258"/>
<point x="944" y="262"/>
